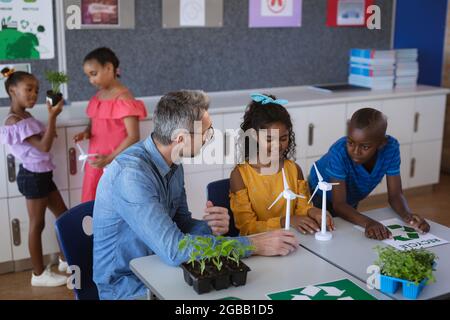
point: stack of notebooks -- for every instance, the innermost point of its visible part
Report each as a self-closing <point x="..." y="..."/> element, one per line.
<point x="374" y="69"/>
<point x="407" y="69"/>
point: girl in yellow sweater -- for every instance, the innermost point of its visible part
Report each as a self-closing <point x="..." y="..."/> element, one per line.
<point x="266" y="145"/>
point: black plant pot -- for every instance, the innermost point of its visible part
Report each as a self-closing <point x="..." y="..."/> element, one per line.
<point x="230" y="274"/>
<point x="238" y="273"/>
<point x="53" y="98"/>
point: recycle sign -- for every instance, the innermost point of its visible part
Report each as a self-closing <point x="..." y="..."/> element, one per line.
<point x="403" y="233"/>
<point x="337" y="290"/>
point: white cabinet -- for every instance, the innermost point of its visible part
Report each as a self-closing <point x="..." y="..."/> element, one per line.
<point x="400" y="114"/>
<point x="3" y="175"/>
<point x="75" y="197"/>
<point x="317" y="128"/>
<point x="59" y="159"/>
<point x="211" y="155"/>
<point x="428" y="118"/>
<point x="5" y="236"/>
<point x="425" y="163"/>
<point x="19" y="222"/>
<point x="195" y="185"/>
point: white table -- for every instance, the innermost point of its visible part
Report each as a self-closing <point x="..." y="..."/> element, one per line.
<point x="353" y="253"/>
<point x="268" y="275"/>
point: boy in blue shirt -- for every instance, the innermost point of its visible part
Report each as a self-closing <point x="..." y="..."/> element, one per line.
<point x="358" y="163"/>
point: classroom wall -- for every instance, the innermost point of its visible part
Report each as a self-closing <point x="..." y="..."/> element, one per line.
<point x="156" y="60"/>
<point x="421" y="24"/>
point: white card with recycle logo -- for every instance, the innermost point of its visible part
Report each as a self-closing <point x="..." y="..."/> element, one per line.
<point x="405" y="237"/>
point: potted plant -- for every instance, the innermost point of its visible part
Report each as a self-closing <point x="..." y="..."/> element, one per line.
<point x="412" y="268"/>
<point x="56" y="79"/>
<point x="214" y="263"/>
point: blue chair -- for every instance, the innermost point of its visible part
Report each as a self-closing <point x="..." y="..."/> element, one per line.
<point x="218" y="194"/>
<point x="77" y="247"/>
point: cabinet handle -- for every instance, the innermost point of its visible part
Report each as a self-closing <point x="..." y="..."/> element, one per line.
<point x="416" y="121"/>
<point x="311" y="134"/>
<point x="412" y="172"/>
<point x="15" y="224"/>
<point x="225" y="147"/>
<point x="73" y="161"/>
<point x="11" y="168"/>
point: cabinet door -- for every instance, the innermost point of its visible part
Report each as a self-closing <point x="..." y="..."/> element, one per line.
<point x="355" y="106"/>
<point x="400" y="114"/>
<point x="75" y="197"/>
<point x="12" y="166"/>
<point x="429" y="118"/>
<point x="20" y="223"/>
<point x="60" y="174"/>
<point x="3" y="173"/>
<point x="5" y="235"/>
<point x="195" y="184"/>
<point x="425" y="163"/>
<point x="75" y="167"/>
<point x="211" y="155"/>
<point x="317" y="128"/>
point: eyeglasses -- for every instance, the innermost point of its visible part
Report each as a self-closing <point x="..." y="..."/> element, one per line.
<point x="208" y="135"/>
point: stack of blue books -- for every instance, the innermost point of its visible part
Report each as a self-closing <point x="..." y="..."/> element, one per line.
<point x="407" y="68"/>
<point x="372" y="68"/>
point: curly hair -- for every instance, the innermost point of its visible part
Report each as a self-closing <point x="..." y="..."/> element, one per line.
<point x="258" y="116"/>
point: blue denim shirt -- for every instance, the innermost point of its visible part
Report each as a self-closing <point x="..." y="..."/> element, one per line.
<point x="140" y="210"/>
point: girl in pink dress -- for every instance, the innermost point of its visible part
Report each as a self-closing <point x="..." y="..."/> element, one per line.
<point x="114" y="117"/>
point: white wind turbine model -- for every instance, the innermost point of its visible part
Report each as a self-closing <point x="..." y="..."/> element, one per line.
<point x="289" y="195"/>
<point x="324" y="186"/>
<point x="84" y="157"/>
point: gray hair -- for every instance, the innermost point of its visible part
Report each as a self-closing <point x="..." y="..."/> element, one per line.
<point x="178" y="110"/>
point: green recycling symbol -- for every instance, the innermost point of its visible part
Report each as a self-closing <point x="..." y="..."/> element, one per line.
<point x="403" y="233"/>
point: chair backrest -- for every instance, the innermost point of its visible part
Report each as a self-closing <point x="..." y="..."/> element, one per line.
<point x="218" y="193"/>
<point x="74" y="231"/>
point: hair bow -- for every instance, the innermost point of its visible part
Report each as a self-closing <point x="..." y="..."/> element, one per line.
<point x="8" y="72"/>
<point x="263" y="99"/>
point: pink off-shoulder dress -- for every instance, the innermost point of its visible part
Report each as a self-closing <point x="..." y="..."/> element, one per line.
<point x="107" y="133"/>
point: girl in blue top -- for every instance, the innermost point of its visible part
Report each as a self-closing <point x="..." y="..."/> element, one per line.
<point x="358" y="163"/>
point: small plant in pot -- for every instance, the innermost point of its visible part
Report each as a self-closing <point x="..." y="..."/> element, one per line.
<point x="413" y="269"/>
<point x="56" y="79"/>
<point x="214" y="263"/>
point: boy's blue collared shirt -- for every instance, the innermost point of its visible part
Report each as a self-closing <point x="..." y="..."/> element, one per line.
<point x="140" y="209"/>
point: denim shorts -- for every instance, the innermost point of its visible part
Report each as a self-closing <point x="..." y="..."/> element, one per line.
<point x="34" y="185"/>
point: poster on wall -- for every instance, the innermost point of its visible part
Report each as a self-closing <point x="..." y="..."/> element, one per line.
<point x="192" y="13"/>
<point x="275" y="13"/>
<point x="26" y="30"/>
<point x="347" y="13"/>
<point x="100" y="12"/>
<point x="103" y="14"/>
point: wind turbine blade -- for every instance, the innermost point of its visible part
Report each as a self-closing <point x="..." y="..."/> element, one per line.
<point x="84" y="165"/>
<point x="279" y="197"/>
<point x="335" y="183"/>
<point x="300" y="196"/>
<point x="285" y="183"/>
<point x="314" y="193"/>
<point x="319" y="176"/>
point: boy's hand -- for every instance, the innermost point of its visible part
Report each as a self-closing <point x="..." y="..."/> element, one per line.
<point x="377" y="231"/>
<point x="81" y="136"/>
<point x="417" y="222"/>
<point x="217" y="218"/>
<point x="316" y="214"/>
